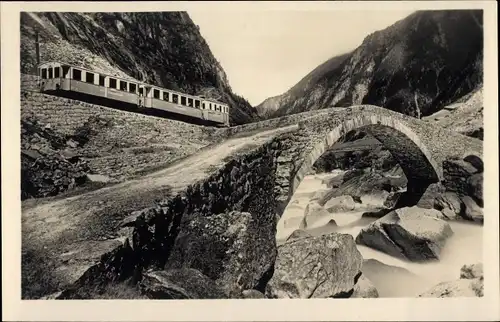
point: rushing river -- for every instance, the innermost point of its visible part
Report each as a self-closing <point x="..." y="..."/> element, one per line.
<point x="464" y="247"/>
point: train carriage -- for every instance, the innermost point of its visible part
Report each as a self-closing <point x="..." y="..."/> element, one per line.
<point x="58" y="78"/>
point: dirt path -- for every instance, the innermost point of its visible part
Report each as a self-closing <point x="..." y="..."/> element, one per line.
<point x="82" y="227"/>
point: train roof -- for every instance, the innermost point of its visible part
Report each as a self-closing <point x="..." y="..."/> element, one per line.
<point x="131" y="80"/>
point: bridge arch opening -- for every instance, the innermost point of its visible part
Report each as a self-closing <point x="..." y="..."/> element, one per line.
<point x="404" y="145"/>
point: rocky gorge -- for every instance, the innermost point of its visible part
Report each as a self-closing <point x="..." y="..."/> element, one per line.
<point x="406" y="252"/>
<point x="190" y="212"/>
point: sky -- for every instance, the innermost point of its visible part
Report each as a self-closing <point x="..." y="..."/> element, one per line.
<point x="264" y="53"/>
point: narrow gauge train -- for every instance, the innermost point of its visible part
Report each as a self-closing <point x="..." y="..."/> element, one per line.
<point x="75" y="82"/>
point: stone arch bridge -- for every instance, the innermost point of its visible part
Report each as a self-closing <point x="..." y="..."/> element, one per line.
<point x="154" y="221"/>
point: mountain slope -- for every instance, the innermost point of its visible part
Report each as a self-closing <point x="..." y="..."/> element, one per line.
<point x="298" y="93"/>
<point x="416" y="66"/>
<point x="161" y="48"/>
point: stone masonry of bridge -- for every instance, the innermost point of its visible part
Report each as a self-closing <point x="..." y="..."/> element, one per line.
<point x="115" y="233"/>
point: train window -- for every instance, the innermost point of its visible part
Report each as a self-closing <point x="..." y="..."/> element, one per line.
<point x="196" y="103"/>
<point x="183" y="100"/>
<point x="165" y="96"/>
<point x="123" y="86"/>
<point x="190" y="102"/>
<point x="44" y="73"/>
<point x="57" y="72"/>
<point x="227" y="109"/>
<point x="175" y="98"/>
<point x="132" y="87"/>
<point x="141" y="91"/>
<point x="102" y="79"/>
<point x="210" y="106"/>
<point x="50" y="72"/>
<point x="156" y="93"/>
<point x="203" y="106"/>
<point x="77" y="74"/>
<point x="89" y="78"/>
<point x="112" y="83"/>
<point x="65" y="70"/>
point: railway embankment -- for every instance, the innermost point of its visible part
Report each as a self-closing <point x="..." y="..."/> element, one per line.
<point x="61" y="138"/>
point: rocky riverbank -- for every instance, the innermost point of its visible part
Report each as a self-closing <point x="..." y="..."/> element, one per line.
<point x="409" y="252"/>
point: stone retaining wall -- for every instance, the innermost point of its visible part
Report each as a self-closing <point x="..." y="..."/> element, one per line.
<point x="244" y="184"/>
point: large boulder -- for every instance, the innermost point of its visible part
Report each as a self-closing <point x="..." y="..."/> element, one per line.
<point x="451" y="201"/>
<point x="297" y="234"/>
<point x="313" y="212"/>
<point x="470" y="284"/>
<point x="340" y="204"/>
<point x="431" y="196"/>
<point x="333" y="181"/>
<point x="321" y="194"/>
<point x="456" y="173"/>
<point x="472" y="211"/>
<point x="350" y="174"/>
<point x="179" y="284"/>
<point x="409" y="233"/>
<point x="475" y="161"/>
<point x="316" y="267"/>
<point x="364" y="288"/>
<point x="392" y="199"/>
<point x="471" y="271"/>
<point x="228" y="248"/>
<point x="475" y="183"/>
<point x="367" y="183"/>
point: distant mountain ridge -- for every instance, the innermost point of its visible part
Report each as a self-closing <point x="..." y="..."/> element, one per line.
<point x="415" y="66"/>
<point x="161" y="48"/>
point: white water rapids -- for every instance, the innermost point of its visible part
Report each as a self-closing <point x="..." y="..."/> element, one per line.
<point x="464" y="247"/>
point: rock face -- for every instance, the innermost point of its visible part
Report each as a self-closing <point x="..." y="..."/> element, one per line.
<point x="460" y="195"/>
<point x="340" y="204"/>
<point x="179" y="284"/>
<point x="161" y="48"/>
<point x="313" y="212"/>
<point x="456" y="173"/>
<point x="463" y="116"/>
<point x="364" y="289"/>
<point x="48" y="164"/>
<point x="298" y="234"/>
<point x="408" y="233"/>
<point x="475" y="183"/>
<point x="470" y="284"/>
<point x="268" y="106"/>
<point x="223" y="248"/>
<point x="316" y="267"/>
<point x="394" y="67"/>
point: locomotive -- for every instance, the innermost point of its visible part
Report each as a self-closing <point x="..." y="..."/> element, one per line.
<point x="62" y="79"/>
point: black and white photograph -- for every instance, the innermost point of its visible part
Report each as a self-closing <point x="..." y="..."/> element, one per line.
<point x="251" y="154"/>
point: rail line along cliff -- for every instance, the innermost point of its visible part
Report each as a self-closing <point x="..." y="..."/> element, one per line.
<point x="364" y="180"/>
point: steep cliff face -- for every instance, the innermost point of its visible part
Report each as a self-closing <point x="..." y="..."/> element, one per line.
<point x="161" y="48"/>
<point x="268" y="106"/>
<point x="416" y="66"/>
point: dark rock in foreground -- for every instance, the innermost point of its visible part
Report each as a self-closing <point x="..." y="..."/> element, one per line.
<point x="226" y="248"/>
<point x="179" y="284"/>
<point x="408" y="233"/>
<point x="316" y="267"/>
